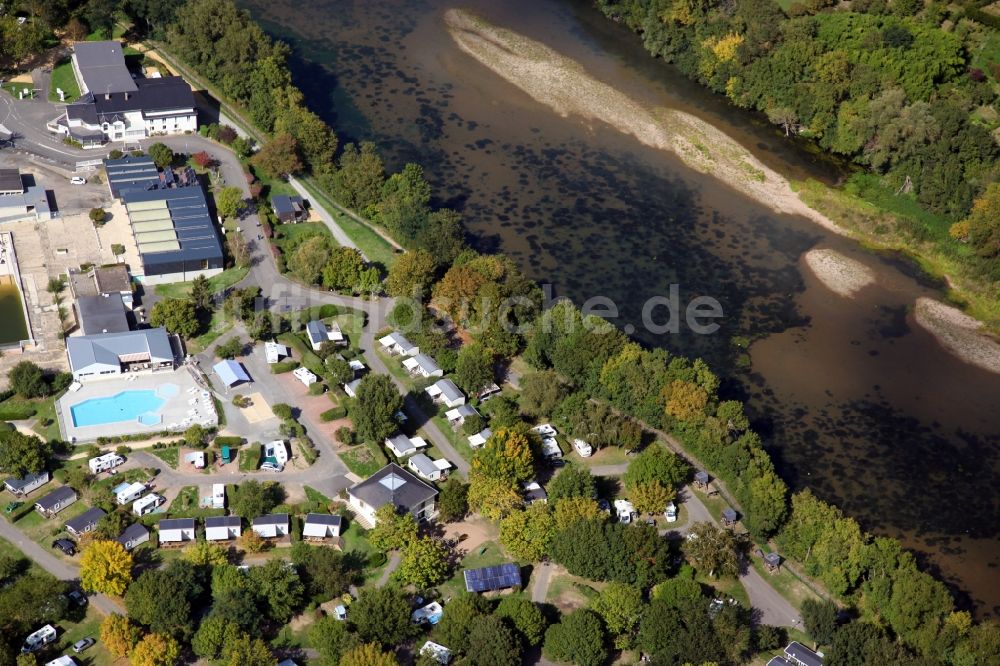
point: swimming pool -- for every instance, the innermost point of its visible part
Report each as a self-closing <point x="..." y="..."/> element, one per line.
<point x="124" y="406"/>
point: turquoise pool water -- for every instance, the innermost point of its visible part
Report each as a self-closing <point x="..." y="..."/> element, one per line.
<point x="124" y="406"/>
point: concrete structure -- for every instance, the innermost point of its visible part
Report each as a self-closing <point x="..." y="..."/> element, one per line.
<point x="55" y="501"/>
<point x="305" y="375"/>
<point x="533" y="492"/>
<point x="176" y="237"/>
<point x="85" y="522"/>
<point x="274" y="352"/>
<point x="27" y="484"/>
<point x="424" y="467"/>
<point x="230" y="372"/>
<point x="101" y="314"/>
<point x="401" y="446"/>
<point x="396" y="344"/>
<point x="395" y="486"/>
<point x="320" y="333"/>
<point x="111" y="354"/>
<point x="321" y="526"/>
<point x="18" y="202"/>
<point x="223" y="528"/>
<point x="133" y="536"/>
<point x="445" y="392"/>
<point x="457" y="416"/>
<point x="479" y="439"/>
<point x="422" y="365"/>
<point x="272" y="526"/>
<point x="176" y="530"/>
<point x="289" y="209"/>
<point x="116" y="107"/>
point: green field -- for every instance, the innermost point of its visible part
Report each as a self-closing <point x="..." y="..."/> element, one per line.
<point x="169" y="455"/>
<point x="62" y="77"/>
<point x="364" y="459"/>
<point x="217" y="283"/>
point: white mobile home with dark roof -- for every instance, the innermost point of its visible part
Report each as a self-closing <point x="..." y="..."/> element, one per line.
<point x="133" y="536"/>
<point x="27" y="484"/>
<point x="272" y="526"/>
<point x="318" y="526"/>
<point x="176" y="530"/>
<point x="56" y="501"/>
<point x="223" y="528"/>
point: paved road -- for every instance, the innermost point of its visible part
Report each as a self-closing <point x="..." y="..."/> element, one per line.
<point x="53" y="565"/>
<point x="540" y="586"/>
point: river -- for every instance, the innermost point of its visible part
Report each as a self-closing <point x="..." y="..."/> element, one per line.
<point x="853" y="398"/>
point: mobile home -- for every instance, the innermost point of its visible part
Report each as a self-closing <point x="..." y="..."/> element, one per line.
<point x="130" y="493"/>
<point x="147" y="504"/>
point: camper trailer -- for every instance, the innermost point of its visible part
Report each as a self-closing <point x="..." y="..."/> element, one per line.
<point x="129" y="493"/>
<point x="104" y="463"/>
<point x="39" y="639"/>
<point x="146" y="504"/>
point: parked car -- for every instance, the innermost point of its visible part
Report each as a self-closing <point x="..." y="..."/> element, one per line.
<point x="671" y="513"/>
<point x="12" y="507"/>
<point x="78" y="180"/>
<point x="270" y="467"/>
<point x="557" y="462"/>
<point x="65" y="545"/>
<point x="604" y="505"/>
<point x="82" y="645"/>
<point x="77" y="597"/>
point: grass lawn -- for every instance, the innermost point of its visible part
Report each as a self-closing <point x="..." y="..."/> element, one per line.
<point x="88" y="627"/>
<point x="487" y="554"/>
<point x="43" y="530"/>
<point x="217" y="283"/>
<point x="726" y="587"/>
<point x="219" y="325"/>
<point x="458" y="438"/>
<point x="62" y="77"/>
<point x="14" y="89"/>
<point x="609" y="455"/>
<point x="568" y="592"/>
<point x="307" y="356"/>
<point x="364" y="459"/>
<point x="272" y="185"/>
<point x="314" y="495"/>
<point x="371" y="244"/>
<point x="186" y="505"/>
<point x="169" y="455"/>
<point x="788" y="585"/>
<point x="42" y="409"/>
<point x="287" y="236"/>
<point x="249" y="458"/>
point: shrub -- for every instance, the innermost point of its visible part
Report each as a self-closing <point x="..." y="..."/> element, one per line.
<point x="344" y="434"/>
<point x="333" y="414"/>
<point x="282" y="411"/>
<point x="16" y="412"/>
<point x="284" y="366"/>
<point x="228" y="440"/>
<point x="317" y="388"/>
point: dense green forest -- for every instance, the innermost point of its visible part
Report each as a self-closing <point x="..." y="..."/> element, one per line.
<point x="906" y="90"/>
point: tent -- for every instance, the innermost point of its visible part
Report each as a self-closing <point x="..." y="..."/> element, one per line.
<point x="230" y="372"/>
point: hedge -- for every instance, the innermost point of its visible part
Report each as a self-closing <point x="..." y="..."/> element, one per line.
<point x="333" y="414"/>
<point x="16" y="412"/>
<point x="284" y="366"/>
<point x="227" y="440"/>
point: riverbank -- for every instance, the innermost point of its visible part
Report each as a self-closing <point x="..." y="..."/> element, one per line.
<point x="568" y="89"/>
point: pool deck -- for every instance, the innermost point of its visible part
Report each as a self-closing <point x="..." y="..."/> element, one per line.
<point x="175" y="414"/>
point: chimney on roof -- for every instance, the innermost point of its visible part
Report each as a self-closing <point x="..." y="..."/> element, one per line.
<point x="107" y="95"/>
<point x="126" y="95"/>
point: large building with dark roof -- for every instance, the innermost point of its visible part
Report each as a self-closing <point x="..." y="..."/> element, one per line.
<point x="110" y="354"/>
<point x="101" y="314"/>
<point x="18" y="202"/>
<point x="131" y="173"/>
<point x="115" y="106"/>
<point x="393" y="485"/>
<point x="174" y="233"/>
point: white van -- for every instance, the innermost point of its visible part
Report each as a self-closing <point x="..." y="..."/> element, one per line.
<point x="105" y="462"/>
<point x="671" y="513"/>
<point x="146" y="505"/>
<point x="583" y="448"/>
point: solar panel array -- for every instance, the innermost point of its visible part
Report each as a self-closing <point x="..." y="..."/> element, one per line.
<point x="493" y="578"/>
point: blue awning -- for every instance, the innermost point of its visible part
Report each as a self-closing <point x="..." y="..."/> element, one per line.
<point x="231" y="372"/>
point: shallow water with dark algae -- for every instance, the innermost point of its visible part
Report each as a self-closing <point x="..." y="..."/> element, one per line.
<point x="853" y="398"/>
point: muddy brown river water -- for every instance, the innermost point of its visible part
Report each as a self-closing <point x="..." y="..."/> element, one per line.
<point x="853" y="398"/>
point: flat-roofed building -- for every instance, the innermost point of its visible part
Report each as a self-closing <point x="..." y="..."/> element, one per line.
<point x="101" y="314"/>
<point x="131" y="173"/>
<point x="174" y="233"/>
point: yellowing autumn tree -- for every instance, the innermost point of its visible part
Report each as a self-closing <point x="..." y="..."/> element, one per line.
<point x="651" y="497"/>
<point x="685" y="401"/>
<point x="155" y="650"/>
<point x="119" y="635"/>
<point x="493" y="498"/>
<point x="569" y="510"/>
<point x="368" y="654"/>
<point x="505" y="456"/>
<point x="106" y="567"/>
